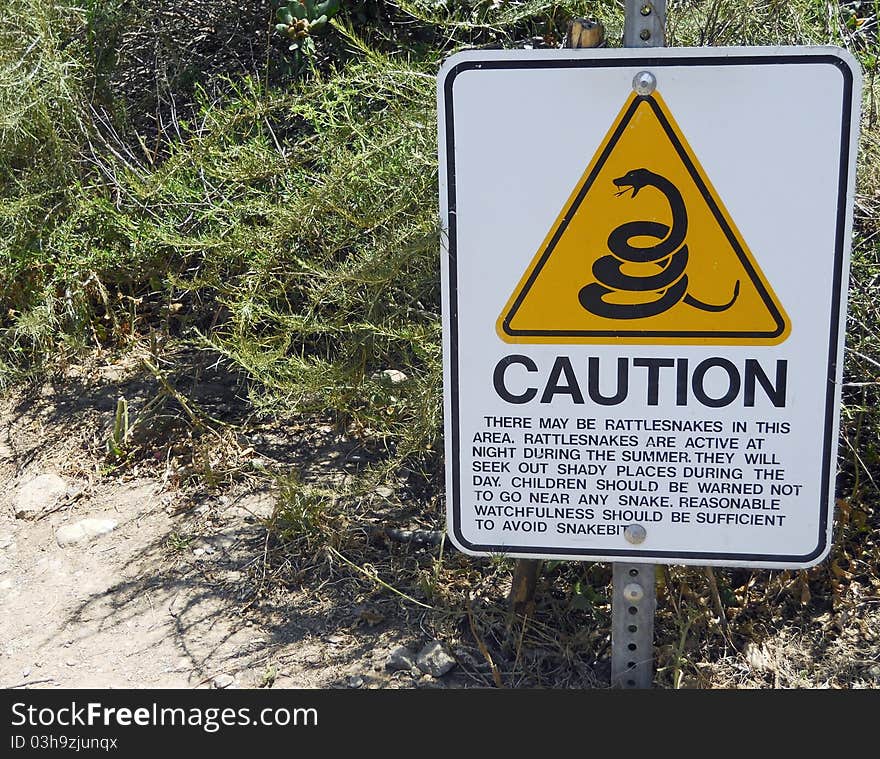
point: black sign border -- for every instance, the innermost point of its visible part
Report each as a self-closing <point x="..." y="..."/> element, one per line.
<point x="671" y="557"/>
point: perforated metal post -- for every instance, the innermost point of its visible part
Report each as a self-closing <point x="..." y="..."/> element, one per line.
<point x="634" y="595"/>
<point x="645" y="23"/>
<point x="632" y="625"/>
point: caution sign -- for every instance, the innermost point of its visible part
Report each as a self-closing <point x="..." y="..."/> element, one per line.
<point x="644" y="251"/>
<point x="644" y="268"/>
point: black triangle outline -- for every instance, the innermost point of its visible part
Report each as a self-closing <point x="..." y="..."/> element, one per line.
<point x="713" y="207"/>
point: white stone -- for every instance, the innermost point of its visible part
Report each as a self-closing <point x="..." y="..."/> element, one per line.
<point x="434" y="659"/>
<point x="400" y="658"/>
<point x="391" y="376"/>
<point x="37" y="495"/>
<point x="84" y="530"/>
<point x="223" y="681"/>
<point x="757" y="657"/>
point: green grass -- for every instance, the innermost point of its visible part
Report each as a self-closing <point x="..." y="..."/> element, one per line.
<point x="297" y="225"/>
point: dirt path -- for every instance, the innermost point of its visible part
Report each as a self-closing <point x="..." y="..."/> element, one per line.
<point x="164" y="599"/>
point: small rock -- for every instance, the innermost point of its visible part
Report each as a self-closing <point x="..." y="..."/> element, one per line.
<point x="84" y="530"/>
<point x="390" y="376"/>
<point x="225" y="542"/>
<point x="38" y="495"/>
<point x="6" y="541"/>
<point x="26" y="672"/>
<point x="233" y="576"/>
<point x="112" y="373"/>
<point x="400" y="658"/>
<point x="199" y="552"/>
<point x="71" y="662"/>
<point x="222" y="681"/>
<point x="384" y="492"/>
<point x="355" y="681"/>
<point x="434" y="659"/>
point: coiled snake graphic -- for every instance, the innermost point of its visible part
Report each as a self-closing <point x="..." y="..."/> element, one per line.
<point x="670" y="254"/>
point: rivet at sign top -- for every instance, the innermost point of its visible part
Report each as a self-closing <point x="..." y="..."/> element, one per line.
<point x="633" y="592"/>
<point x="646" y="9"/>
<point x="644" y="83"/>
<point x="635" y="533"/>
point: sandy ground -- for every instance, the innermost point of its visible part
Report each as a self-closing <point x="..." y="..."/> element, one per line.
<point x="166" y="599"/>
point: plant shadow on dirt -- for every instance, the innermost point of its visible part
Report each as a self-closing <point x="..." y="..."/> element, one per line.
<point x="245" y="576"/>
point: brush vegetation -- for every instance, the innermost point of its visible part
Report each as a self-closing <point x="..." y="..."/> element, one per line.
<point x="172" y="174"/>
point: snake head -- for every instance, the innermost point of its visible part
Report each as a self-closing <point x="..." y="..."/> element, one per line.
<point x="633" y="180"/>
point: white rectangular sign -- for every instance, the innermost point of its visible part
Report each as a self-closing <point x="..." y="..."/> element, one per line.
<point x="644" y="272"/>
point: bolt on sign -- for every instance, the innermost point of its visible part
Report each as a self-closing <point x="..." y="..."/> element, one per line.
<point x="644" y="272"/>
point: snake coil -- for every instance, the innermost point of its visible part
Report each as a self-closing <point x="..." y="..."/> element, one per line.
<point x="670" y="254"/>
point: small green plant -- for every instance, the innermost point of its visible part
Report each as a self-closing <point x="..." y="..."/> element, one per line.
<point x="431" y="581"/>
<point x="584" y="597"/>
<point x="117" y="442"/>
<point x="302" y="511"/>
<point x="269" y="676"/>
<point x="298" y="21"/>
<point x="177" y="543"/>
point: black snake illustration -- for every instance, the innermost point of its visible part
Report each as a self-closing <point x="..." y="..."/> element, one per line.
<point x="670" y="254"/>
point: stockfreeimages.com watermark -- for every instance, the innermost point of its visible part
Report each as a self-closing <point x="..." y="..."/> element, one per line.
<point x="210" y="719"/>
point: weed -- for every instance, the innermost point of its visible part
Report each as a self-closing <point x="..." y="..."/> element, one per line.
<point x="177" y="543"/>
<point x="299" y="21"/>
<point x="302" y="512"/>
<point x="270" y="674"/>
<point x="117" y="443"/>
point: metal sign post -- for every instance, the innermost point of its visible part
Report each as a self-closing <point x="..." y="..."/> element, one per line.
<point x="645" y="24"/>
<point x="633" y="589"/>
<point x="633" y="602"/>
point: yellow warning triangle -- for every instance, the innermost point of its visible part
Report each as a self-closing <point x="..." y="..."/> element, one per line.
<point x="644" y="252"/>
